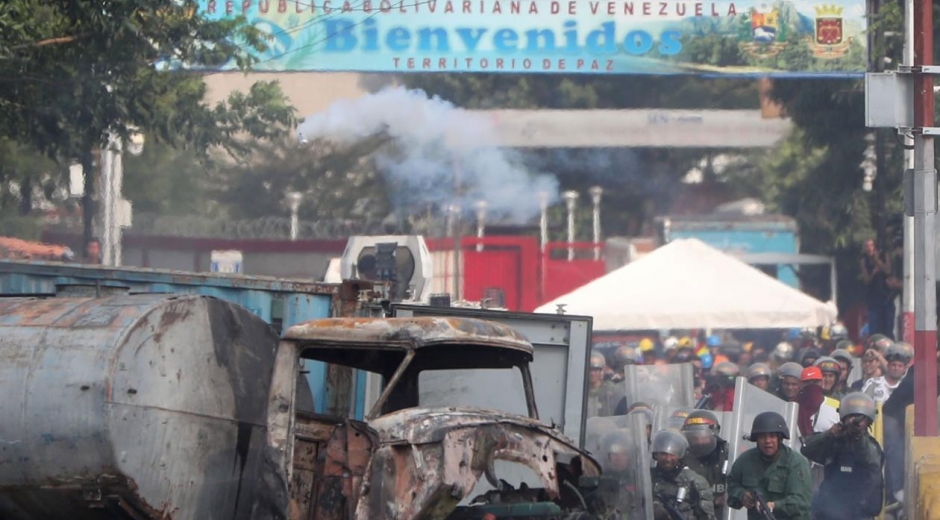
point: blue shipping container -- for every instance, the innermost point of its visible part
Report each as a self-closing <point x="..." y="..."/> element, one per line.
<point x="281" y="303"/>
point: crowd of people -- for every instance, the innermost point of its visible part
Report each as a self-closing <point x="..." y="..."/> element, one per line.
<point x="836" y="469"/>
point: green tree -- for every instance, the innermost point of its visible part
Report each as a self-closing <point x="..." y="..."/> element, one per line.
<point x="337" y="182"/>
<point x="164" y="180"/>
<point x="77" y="71"/>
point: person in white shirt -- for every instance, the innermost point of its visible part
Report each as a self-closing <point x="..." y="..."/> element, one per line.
<point x="880" y="388"/>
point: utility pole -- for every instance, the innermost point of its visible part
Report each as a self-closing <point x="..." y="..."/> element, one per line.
<point x="907" y="294"/>
<point x="925" y="210"/>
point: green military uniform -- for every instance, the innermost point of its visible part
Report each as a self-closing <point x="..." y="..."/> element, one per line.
<point x="698" y="502"/>
<point x="711" y="468"/>
<point x="603" y="400"/>
<point x="615" y="496"/>
<point x="853" y="487"/>
<point x="785" y="481"/>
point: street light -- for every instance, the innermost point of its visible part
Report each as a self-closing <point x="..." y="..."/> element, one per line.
<point x="543" y="219"/>
<point x="596" y="192"/>
<point x="480" y="206"/>
<point x="293" y="202"/>
<point x="868" y="165"/>
<point x="571" y="200"/>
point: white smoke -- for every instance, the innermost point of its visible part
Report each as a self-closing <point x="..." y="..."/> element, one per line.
<point x="437" y="147"/>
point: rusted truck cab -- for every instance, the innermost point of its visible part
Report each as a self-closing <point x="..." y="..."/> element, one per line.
<point x="406" y="461"/>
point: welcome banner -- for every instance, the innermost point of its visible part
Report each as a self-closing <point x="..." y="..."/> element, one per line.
<point x="744" y="37"/>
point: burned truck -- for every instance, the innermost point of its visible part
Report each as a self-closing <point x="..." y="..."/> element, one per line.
<point x="185" y="407"/>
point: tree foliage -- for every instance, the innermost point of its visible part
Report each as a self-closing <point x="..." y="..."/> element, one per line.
<point x="336" y="181"/>
<point x="76" y="71"/>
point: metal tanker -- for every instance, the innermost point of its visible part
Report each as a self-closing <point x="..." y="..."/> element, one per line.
<point x="142" y="406"/>
<point x="186" y="407"/>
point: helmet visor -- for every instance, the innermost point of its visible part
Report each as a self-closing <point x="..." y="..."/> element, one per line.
<point x="701" y="442"/>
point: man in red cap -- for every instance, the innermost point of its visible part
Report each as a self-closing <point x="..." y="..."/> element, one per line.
<point x="816" y="414"/>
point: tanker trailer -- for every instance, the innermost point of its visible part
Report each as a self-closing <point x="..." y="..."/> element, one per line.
<point x="183" y="407"/>
<point x="143" y="406"/>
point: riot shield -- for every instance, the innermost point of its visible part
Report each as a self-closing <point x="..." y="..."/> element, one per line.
<point x="594" y="429"/>
<point x="624" y="490"/>
<point x="664" y="385"/>
<point x="749" y="401"/>
<point x="670" y="417"/>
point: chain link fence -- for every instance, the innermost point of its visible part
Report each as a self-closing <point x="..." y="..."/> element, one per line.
<point x="266" y="228"/>
<point x="272" y="228"/>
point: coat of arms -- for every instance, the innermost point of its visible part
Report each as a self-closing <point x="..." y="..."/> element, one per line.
<point x="829" y="40"/>
<point x="763" y="33"/>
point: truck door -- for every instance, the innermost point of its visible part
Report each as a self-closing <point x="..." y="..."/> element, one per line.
<point x="562" y="346"/>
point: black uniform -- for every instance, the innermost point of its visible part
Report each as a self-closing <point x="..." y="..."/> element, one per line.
<point x="853" y="487"/>
<point x="711" y="468"/>
<point x="697" y="504"/>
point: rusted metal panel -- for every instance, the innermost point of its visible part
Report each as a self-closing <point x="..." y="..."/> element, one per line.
<point x="303" y="480"/>
<point x="430" y="460"/>
<point x="153" y="404"/>
<point x="341" y="467"/>
<point x="405" y="333"/>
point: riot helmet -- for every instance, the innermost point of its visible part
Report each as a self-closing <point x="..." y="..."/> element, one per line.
<point x="843" y="354"/>
<point x="731" y="350"/>
<point x="677" y="418"/>
<point x="669" y="441"/>
<point x="880" y="342"/>
<point x="594" y="429"/>
<point x="615" y="452"/>
<point x="828" y="364"/>
<point x="900" y="351"/>
<point x="783" y="351"/>
<point x="625" y="355"/>
<point x="790" y="369"/>
<point x="757" y="370"/>
<point x="769" y="422"/>
<point x="857" y="403"/>
<point x="838" y="332"/>
<point x="789" y="383"/>
<point x="598" y="361"/>
<point x="701" y="432"/>
<point x="726" y="368"/>
<point x="809" y="356"/>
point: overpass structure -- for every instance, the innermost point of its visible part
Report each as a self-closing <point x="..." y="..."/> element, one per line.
<point x="649" y="128"/>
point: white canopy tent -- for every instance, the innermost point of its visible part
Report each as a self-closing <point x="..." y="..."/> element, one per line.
<point x="687" y="284"/>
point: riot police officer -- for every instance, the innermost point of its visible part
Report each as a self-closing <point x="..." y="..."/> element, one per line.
<point x="720" y="386"/>
<point x="771" y="473"/>
<point x="782" y="353"/>
<point x="602" y="395"/>
<point x="788" y="381"/>
<point x="832" y="375"/>
<point x="615" y="496"/>
<point x="758" y="375"/>
<point x="853" y="487"/>
<point x="708" y="452"/>
<point x="678" y="492"/>
<point x="623" y="356"/>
